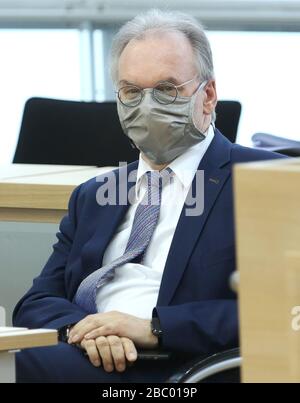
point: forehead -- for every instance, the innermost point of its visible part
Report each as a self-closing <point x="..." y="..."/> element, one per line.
<point x="156" y="57"/>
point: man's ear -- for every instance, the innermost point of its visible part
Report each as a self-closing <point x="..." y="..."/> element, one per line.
<point x="210" y="97"/>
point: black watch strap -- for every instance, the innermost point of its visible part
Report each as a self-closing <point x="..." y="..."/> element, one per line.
<point x="63" y="333"/>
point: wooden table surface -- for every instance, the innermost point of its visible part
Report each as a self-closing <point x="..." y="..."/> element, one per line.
<point x="40" y="193"/>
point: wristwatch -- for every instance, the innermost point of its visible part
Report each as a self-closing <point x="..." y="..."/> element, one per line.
<point x="63" y="333"/>
<point x="156" y="329"/>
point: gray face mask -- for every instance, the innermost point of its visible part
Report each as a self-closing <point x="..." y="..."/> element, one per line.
<point x="161" y="132"/>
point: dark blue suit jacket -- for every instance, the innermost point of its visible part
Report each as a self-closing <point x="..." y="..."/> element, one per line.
<point x="196" y="308"/>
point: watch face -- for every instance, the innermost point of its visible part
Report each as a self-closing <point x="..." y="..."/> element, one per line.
<point x="156" y="330"/>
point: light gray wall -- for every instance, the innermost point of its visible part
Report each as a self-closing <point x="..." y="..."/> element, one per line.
<point x="24" y="250"/>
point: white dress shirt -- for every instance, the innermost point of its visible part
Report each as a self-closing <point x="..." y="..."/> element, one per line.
<point x="135" y="287"/>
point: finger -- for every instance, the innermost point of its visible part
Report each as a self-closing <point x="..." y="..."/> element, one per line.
<point x="103" y="348"/>
<point x="73" y="330"/>
<point x="92" y="352"/>
<point x="117" y="352"/>
<point x="90" y="323"/>
<point x="105" y="330"/>
<point x="77" y="328"/>
<point x="83" y="327"/>
<point x="129" y="349"/>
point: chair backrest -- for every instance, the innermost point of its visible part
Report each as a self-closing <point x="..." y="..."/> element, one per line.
<point x="72" y="133"/>
<point x="88" y="133"/>
<point x="228" y="117"/>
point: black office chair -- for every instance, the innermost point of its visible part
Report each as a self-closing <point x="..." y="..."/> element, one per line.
<point x="87" y="133"/>
<point x="72" y="133"/>
<point x="228" y="117"/>
<point x="278" y="144"/>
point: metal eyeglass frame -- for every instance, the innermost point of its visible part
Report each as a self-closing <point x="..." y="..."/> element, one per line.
<point x="142" y="91"/>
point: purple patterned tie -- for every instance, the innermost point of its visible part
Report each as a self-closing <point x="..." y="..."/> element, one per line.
<point x="144" y="223"/>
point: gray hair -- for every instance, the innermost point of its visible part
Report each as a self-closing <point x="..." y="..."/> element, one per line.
<point x="157" y="20"/>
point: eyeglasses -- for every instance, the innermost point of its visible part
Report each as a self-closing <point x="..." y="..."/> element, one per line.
<point x="164" y="93"/>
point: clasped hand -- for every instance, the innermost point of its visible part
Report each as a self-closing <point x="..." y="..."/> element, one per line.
<point x="110" y="339"/>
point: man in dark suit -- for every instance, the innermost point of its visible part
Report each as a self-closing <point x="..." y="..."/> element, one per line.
<point x="151" y="272"/>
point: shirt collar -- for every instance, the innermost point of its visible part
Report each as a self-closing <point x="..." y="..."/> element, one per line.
<point x="184" y="166"/>
<point x="142" y="169"/>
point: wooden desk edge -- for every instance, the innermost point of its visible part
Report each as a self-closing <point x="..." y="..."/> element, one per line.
<point x="14" y="214"/>
<point x="28" y="339"/>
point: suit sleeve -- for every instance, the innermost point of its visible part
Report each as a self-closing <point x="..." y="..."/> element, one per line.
<point x="46" y="303"/>
<point x="199" y="327"/>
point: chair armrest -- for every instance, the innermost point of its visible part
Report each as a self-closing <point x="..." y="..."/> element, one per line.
<point x="200" y="369"/>
<point x="153" y="355"/>
<point x="269" y="140"/>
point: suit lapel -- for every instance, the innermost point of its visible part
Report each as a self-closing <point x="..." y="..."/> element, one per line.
<point x="189" y="228"/>
<point x="109" y="218"/>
